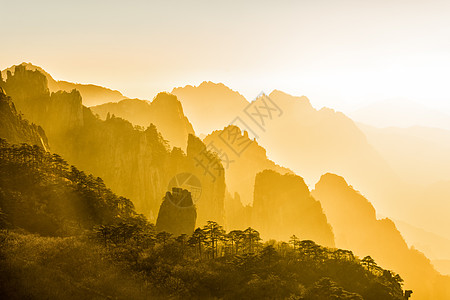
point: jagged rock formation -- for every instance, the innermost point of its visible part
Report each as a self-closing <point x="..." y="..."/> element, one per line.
<point x="283" y="206"/>
<point x="310" y="141"/>
<point x="356" y="227"/>
<point x="237" y="215"/>
<point x="92" y="94"/>
<point x="177" y="214"/>
<point x="242" y="158"/>
<point x="56" y="112"/>
<point x="136" y="163"/>
<point x="14" y="128"/>
<point x="209" y="169"/>
<point x="165" y="111"/>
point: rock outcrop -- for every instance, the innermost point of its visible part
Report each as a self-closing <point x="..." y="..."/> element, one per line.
<point x="136" y="163"/>
<point x="165" y="111"/>
<point x="92" y="94"/>
<point x="356" y="227"/>
<point x="15" y="129"/>
<point x="177" y="214"/>
<point x="283" y="206"/>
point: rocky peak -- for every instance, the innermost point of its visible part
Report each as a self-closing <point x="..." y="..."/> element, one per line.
<point x="177" y="214"/>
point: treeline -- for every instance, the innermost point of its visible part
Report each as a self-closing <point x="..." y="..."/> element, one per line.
<point x="41" y="193"/>
<point x="98" y="247"/>
<point x="213" y="263"/>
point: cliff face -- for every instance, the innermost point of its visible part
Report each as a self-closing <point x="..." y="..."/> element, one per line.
<point x="242" y="158"/>
<point x="15" y="129"/>
<point x="57" y="113"/>
<point x="135" y="163"/>
<point x="92" y="94"/>
<point x="209" y="169"/>
<point x="165" y="111"/>
<point x="356" y="227"/>
<point x="283" y="206"/>
<point x="177" y="214"/>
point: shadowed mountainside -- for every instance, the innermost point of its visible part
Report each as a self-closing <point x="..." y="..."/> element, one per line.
<point x="355" y="226"/>
<point x="92" y="94"/>
<point x="136" y="163"/>
<point x="283" y="206"/>
<point x="242" y="158"/>
<point x="164" y="111"/>
<point x="16" y="129"/>
<point x="311" y="142"/>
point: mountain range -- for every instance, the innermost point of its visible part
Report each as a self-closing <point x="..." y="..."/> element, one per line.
<point x="270" y="140"/>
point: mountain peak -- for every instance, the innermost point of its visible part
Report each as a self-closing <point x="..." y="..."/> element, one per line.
<point x="287" y="100"/>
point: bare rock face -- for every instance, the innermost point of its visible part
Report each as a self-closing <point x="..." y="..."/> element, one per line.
<point x="177" y="214"/>
<point x="17" y="130"/>
<point x="283" y="206"/>
<point x="57" y="113"/>
<point x="135" y="162"/>
<point x="165" y="111"/>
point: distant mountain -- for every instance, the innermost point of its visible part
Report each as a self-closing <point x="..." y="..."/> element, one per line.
<point x="313" y="142"/>
<point x="419" y="155"/>
<point x="442" y="265"/>
<point x="241" y="167"/>
<point x="92" y="94"/>
<point x="401" y="113"/>
<point x="434" y="246"/>
<point x="355" y="226"/>
<point x="165" y="111"/>
<point x="210" y="106"/>
<point x="15" y="129"/>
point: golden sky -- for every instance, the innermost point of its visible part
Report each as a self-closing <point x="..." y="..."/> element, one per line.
<point x="343" y="54"/>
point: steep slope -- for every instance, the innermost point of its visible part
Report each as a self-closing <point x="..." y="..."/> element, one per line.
<point x="420" y="156"/>
<point x="242" y="158"/>
<point x="41" y="193"/>
<point x="15" y="129"/>
<point x="435" y="247"/>
<point x="283" y="206"/>
<point x="177" y="214"/>
<point x="165" y="111"/>
<point x="311" y="142"/>
<point x="92" y="94"/>
<point x="136" y="163"/>
<point x="356" y="227"/>
<point x="210" y="106"/>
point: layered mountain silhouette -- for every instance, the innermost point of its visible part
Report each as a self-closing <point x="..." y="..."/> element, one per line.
<point x="419" y="155"/>
<point x="211" y="105"/>
<point x="240" y="187"/>
<point x="435" y="247"/>
<point x="310" y="142"/>
<point x="356" y="226"/>
<point x="136" y="163"/>
<point x="92" y="94"/>
<point x="242" y="158"/>
<point x="165" y="112"/>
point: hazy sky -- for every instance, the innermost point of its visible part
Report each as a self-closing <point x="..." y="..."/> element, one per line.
<point x="342" y="54"/>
